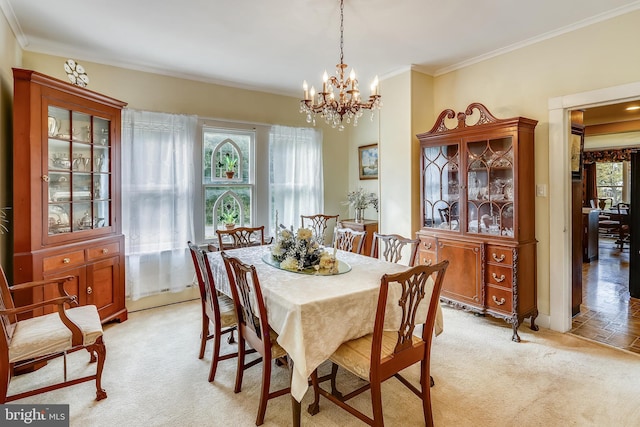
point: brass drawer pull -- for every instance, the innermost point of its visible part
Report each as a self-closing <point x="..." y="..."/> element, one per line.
<point x="428" y="263"/>
<point x="45" y="178"/>
<point x="90" y="291"/>
<point x="66" y="260"/>
<point x="427" y="245"/>
<point x="496" y="258"/>
<point x="502" y="300"/>
<point x="105" y="251"/>
<point x="498" y="279"/>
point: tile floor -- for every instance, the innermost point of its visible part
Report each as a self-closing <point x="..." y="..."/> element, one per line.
<point x="608" y="314"/>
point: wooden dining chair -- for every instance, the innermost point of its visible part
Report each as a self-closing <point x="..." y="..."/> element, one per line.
<point x="624" y="226"/>
<point x="254" y="329"/>
<point x="349" y="240"/>
<point x="392" y="247"/>
<point x="218" y="311"/>
<point x="241" y="237"/>
<point x="29" y="342"/>
<point x="318" y="224"/>
<point x="384" y="353"/>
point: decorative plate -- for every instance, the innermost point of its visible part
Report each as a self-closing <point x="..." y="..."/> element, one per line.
<point x="76" y="73"/>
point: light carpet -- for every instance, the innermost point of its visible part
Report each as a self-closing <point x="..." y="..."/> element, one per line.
<point x="153" y="377"/>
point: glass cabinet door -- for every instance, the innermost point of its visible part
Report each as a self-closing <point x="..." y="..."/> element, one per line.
<point x="441" y="187"/>
<point x="490" y="187"/>
<point x="78" y="150"/>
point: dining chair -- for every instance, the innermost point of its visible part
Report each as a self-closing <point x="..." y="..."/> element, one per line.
<point x="254" y="329"/>
<point x="318" y="224"/>
<point x="392" y="247"/>
<point x="30" y="342"/>
<point x="217" y="310"/>
<point x="349" y="240"/>
<point x="624" y="226"/>
<point x="382" y="354"/>
<point x="241" y="237"/>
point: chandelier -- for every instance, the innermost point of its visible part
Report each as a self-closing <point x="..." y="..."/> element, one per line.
<point x="339" y="99"/>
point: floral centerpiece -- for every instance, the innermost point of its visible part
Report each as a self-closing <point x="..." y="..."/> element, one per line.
<point x="360" y="200"/>
<point x="300" y="251"/>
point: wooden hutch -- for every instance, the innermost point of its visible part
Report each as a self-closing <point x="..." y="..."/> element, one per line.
<point x="66" y="192"/>
<point x="477" y="211"/>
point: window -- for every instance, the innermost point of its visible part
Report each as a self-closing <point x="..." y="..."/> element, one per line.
<point x="612" y="179"/>
<point x="227" y="165"/>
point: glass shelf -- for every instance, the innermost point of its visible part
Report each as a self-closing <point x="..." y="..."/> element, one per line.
<point x="79" y="175"/>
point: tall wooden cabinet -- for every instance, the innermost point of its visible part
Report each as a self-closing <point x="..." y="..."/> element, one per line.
<point x="66" y="191"/>
<point x="477" y="211"/>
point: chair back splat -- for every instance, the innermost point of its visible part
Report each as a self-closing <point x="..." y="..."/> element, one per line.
<point x="349" y="240"/>
<point x="318" y="224"/>
<point x="413" y="295"/>
<point x="390" y="246"/>
<point x="241" y="237"/>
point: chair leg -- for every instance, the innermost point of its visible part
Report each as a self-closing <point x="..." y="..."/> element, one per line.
<point x="295" y="405"/>
<point x="232" y="338"/>
<point x="376" y="403"/>
<point x="426" y="396"/>
<point x="264" y="392"/>
<point x="101" y="352"/>
<point x="314" y="407"/>
<point x="215" y="357"/>
<point x="204" y="335"/>
<point x="5" y="378"/>
<point x="240" y="369"/>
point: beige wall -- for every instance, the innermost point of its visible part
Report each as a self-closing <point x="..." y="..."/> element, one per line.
<point x="518" y="83"/>
<point x="10" y="56"/>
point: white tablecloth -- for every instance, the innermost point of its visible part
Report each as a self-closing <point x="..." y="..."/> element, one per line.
<point x="313" y="315"/>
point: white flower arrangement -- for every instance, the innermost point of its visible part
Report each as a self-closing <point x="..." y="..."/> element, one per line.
<point x="361" y="199"/>
<point x="300" y="251"/>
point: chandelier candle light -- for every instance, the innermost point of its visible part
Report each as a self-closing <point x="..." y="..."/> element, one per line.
<point x="347" y="103"/>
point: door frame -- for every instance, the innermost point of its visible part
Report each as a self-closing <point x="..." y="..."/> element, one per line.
<point x="560" y="193"/>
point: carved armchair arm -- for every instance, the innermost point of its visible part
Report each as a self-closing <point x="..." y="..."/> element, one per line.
<point x="59" y="280"/>
<point x="76" y="333"/>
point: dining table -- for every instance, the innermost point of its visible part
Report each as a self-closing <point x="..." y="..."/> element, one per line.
<point x="314" y="313"/>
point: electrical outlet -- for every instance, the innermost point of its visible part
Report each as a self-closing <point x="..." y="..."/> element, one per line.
<point x="541" y="190"/>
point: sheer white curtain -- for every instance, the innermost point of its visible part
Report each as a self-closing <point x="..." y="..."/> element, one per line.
<point x="297" y="184"/>
<point x="157" y="200"/>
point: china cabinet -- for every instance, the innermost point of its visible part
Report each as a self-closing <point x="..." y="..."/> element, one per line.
<point x="66" y="189"/>
<point x="477" y="211"/>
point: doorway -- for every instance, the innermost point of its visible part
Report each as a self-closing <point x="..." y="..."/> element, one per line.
<point x="560" y="318"/>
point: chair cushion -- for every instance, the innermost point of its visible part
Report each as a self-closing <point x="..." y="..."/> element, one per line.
<point x="227" y="311"/>
<point x="355" y="355"/>
<point x="47" y="334"/>
<point x="276" y="351"/>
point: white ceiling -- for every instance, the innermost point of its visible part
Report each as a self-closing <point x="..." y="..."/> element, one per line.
<point x="273" y="45"/>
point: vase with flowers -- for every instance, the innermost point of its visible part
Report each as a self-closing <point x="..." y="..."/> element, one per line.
<point x="230" y="165"/>
<point x="360" y="200"/>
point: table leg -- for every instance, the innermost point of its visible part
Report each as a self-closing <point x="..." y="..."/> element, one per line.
<point x="295" y="405"/>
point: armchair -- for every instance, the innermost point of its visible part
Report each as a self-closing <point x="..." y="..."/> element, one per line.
<point x="38" y="339"/>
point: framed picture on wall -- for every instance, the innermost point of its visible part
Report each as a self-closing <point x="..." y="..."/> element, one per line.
<point x="576" y="140"/>
<point x="368" y="161"/>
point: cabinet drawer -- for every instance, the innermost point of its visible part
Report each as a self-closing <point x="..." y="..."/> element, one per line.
<point x="61" y="261"/>
<point x="427" y="243"/>
<point x="499" y="299"/>
<point x="499" y="255"/>
<point x="102" y="251"/>
<point x="499" y="276"/>
<point x="426" y="258"/>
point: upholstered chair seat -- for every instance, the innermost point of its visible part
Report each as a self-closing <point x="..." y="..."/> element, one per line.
<point x="42" y="335"/>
